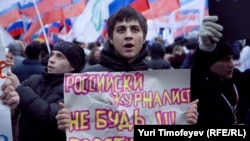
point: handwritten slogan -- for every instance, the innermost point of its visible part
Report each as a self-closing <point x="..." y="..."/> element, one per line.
<point x="105" y="106"/>
<point x="5" y="122"/>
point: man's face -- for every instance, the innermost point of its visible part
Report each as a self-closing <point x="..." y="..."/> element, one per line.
<point x="97" y="54"/>
<point x="128" y="39"/>
<point x="223" y="68"/>
<point x="178" y="50"/>
<point x="58" y="63"/>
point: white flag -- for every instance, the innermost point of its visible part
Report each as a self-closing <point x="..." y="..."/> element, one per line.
<point x="90" y="23"/>
<point x="5" y="38"/>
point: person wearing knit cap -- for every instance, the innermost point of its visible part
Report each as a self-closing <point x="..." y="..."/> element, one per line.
<point x="222" y="51"/>
<point x="222" y="90"/>
<point x="74" y="54"/>
<point x="40" y="95"/>
<point x="80" y="41"/>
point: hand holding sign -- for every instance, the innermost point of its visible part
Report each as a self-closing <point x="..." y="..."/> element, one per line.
<point x="9" y="59"/>
<point x="192" y="113"/>
<point x="63" y="118"/>
<point x="10" y="97"/>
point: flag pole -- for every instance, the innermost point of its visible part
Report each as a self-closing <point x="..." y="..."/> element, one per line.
<point x="41" y="23"/>
<point x="2" y="42"/>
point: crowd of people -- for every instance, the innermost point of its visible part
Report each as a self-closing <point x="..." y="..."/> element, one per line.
<point x="34" y="87"/>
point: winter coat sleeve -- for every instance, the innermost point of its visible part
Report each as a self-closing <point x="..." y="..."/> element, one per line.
<point x="198" y="71"/>
<point x="32" y="104"/>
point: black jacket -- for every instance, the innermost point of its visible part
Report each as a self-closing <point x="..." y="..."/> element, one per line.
<point x="110" y="62"/>
<point x="39" y="97"/>
<point x="213" y="108"/>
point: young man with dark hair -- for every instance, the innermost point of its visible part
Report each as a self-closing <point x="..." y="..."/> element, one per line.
<point x="124" y="51"/>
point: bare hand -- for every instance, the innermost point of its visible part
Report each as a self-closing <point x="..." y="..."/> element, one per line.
<point x="9" y="59"/>
<point x="63" y="117"/>
<point x="10" y="97"/>
<point x="11" y="80"/>
<point x="192" y="113"/>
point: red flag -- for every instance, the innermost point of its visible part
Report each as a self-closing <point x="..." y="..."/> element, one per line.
<point x="57" y="15"/>
<point x="75" y="9"/>
<point x="161" y="7"/>
<point x="52" y="16"/>
<point x="43" y="6"/>
<point x="140" y="5"/>
<point x="7" y="18"/>
<point x="60" y="3"/>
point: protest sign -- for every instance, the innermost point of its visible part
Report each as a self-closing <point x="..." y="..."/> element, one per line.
<point x="105" y="106"/>
<point x="5" y="122"/>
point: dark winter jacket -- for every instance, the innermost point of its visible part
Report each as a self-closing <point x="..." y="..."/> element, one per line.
<point x="111" y="62"/>
<point x="39" y="97"/>
<point x="28" y="68"/>
<point x="216" y="96"/>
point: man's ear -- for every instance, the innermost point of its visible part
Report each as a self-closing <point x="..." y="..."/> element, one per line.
<point x="110" y="41"/>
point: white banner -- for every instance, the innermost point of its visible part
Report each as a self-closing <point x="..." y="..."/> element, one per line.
<point x="190" y="14"/>
<point x="5" y="120"/>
